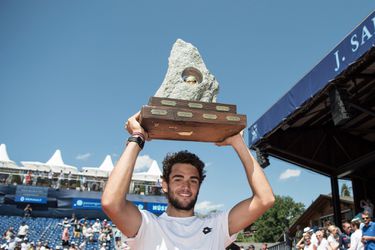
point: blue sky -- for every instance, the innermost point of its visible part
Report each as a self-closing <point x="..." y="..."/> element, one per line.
<point x="72" y="72"/>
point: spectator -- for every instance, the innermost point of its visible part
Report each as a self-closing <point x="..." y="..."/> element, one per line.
<point x="25" y="245"/>
<point x="65" y="237"/>
<point x="344" y="238"/>
<point x="333" y="237"/>
<point x="264" y="246"/>
<point x="28" y="178"/>
<point x="321" y="242"/>
<point x="310" y="231"/>
<point x="27" y="211"/>
<point x="367" y="206"/>
<point x="50" y="178"/>
<point x="73" y="246"/>
<point x="89" y="234"/>
<point x="77" y="229"/>
<point x="23" y="230"/>
<point x="251" y="247"/>
<point x="8" y="234"/>
<point x="97" y="226"/>
<point x="60" y="180"/>
<point x="356" y="236"/>
<point x="368" y="231"/>
<point x="305" y="242"/>
<point x="83" y="183"/>
<point x="69" y="179"/>
<point x="45" y="246"/>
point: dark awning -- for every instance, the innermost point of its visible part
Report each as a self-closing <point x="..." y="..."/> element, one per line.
<point x="299" y="127"/>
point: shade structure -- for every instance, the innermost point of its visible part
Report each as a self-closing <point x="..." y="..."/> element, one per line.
<point x="5" y="162"/>
<point x="153" y="174"/>
<point x="102" y="171"/>
<point x="326" y="122"/>
<point x="55" y="163"/>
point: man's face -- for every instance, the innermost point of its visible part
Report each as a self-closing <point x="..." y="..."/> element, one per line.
<point x="183" y="187"/>
<point x="366" y="219"/>
<point x="347" y="228"/>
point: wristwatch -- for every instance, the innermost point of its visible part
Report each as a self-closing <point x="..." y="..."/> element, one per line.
<point x="138" y="140"/>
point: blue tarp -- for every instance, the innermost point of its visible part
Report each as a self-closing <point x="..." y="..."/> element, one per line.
<point x="355" y="45"/>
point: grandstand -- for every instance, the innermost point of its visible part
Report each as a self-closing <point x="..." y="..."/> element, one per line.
<point x="56" y="190"/>
<point x="48" y="231"/>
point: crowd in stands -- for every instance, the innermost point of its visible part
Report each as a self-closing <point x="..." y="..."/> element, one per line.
<point x="357" y="234"/>
<point x="72" y="181"/>
<point x="47" y="234"/>
<point x="54" y="180"/>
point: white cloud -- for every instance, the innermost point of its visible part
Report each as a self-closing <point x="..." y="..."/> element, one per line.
<point x="289" y="173"/>
<point x="143" y="163"/>
<point x="83" y="157"/>
<point x="205" y="207"/>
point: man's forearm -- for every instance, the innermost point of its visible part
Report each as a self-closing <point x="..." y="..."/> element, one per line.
<point x="119" y="181"/>
<point x="256" y="178"/>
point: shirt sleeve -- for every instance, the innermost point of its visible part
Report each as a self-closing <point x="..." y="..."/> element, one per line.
<point x="132" y="242"/>
<point x="225" y="228"/>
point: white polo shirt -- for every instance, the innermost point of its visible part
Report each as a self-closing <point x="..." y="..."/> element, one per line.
<point x="182" y="233"/>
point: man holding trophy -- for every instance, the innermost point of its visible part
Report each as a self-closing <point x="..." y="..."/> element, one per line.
<point x="183" y="172"/>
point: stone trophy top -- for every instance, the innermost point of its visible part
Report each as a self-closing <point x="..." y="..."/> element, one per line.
<point x="187" y="77"/>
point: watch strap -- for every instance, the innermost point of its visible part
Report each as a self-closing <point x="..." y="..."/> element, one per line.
<point x="138" y="140"/>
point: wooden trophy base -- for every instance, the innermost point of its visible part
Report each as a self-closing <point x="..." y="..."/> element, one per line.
<point x="174" y="119"/>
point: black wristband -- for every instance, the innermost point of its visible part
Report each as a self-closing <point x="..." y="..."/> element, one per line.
<point x="138" y="140"/>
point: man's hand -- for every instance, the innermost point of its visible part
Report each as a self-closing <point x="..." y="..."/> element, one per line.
<point x="132" y="125"/>
<point x="231" y="140"/>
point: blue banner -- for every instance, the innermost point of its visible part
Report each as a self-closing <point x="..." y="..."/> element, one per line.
<point x="30" y="199"/>
<point x="88" y="204"/>
<point x="31" y="194"/>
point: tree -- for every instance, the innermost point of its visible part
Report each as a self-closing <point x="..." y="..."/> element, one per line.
<point x="345" y="190"/>
<point x="270" y="227"/>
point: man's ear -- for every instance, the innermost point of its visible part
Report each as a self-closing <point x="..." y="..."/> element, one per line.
<point x="164" y="186"/>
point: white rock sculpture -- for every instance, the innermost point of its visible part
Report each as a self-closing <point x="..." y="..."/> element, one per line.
<point x="187" y="77"/>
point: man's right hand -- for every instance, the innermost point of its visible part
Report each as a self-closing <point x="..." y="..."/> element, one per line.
<point x="133" y="125"/>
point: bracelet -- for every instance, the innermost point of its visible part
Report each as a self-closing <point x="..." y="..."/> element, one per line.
<point x="139" y="134"/>
<point x="137" y="139"/>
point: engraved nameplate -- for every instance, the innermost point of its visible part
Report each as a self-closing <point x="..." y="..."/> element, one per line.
<point x="159" y="112"/>
<point x="222" y="108"/>
<point x="233" y="118"/>
<point x="195" y="105"/>
<point x="210" y="116"/>
<point x="168" y="103"/>
<point x="184" y="114"/>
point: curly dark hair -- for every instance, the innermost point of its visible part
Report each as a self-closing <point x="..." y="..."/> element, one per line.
<point x="182" y="157"/>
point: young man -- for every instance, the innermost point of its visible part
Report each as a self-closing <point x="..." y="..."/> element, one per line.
<point x="183" y="174"/>
<point x="368" y="231"/>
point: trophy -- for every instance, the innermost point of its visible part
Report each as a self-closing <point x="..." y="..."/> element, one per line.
<point x="184" y="107"/>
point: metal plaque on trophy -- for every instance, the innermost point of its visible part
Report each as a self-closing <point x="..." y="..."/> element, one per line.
<point x="185" y="107"/>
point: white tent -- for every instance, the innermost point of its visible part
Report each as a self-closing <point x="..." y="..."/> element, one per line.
<point x="153" y="174"/>
<point x="103" y="170"/>
<point x="5" y="162"/>
<point x="55" y="163"/>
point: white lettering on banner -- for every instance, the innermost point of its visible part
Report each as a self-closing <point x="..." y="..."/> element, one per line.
<point x="364" y="36"/>
<point x="159" y="208"/>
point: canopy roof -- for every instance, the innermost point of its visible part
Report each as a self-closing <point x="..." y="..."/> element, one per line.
<point x="4" y="158"/>
<point x="55" y="163"/>
<point x="153" y="174"/>
<point x="299" y="128"/>
<point x="103" y="170"/>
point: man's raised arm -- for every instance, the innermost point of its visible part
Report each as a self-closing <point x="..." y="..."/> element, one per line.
<point x="247" y="211"/>
<point x="123" y="213"/>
